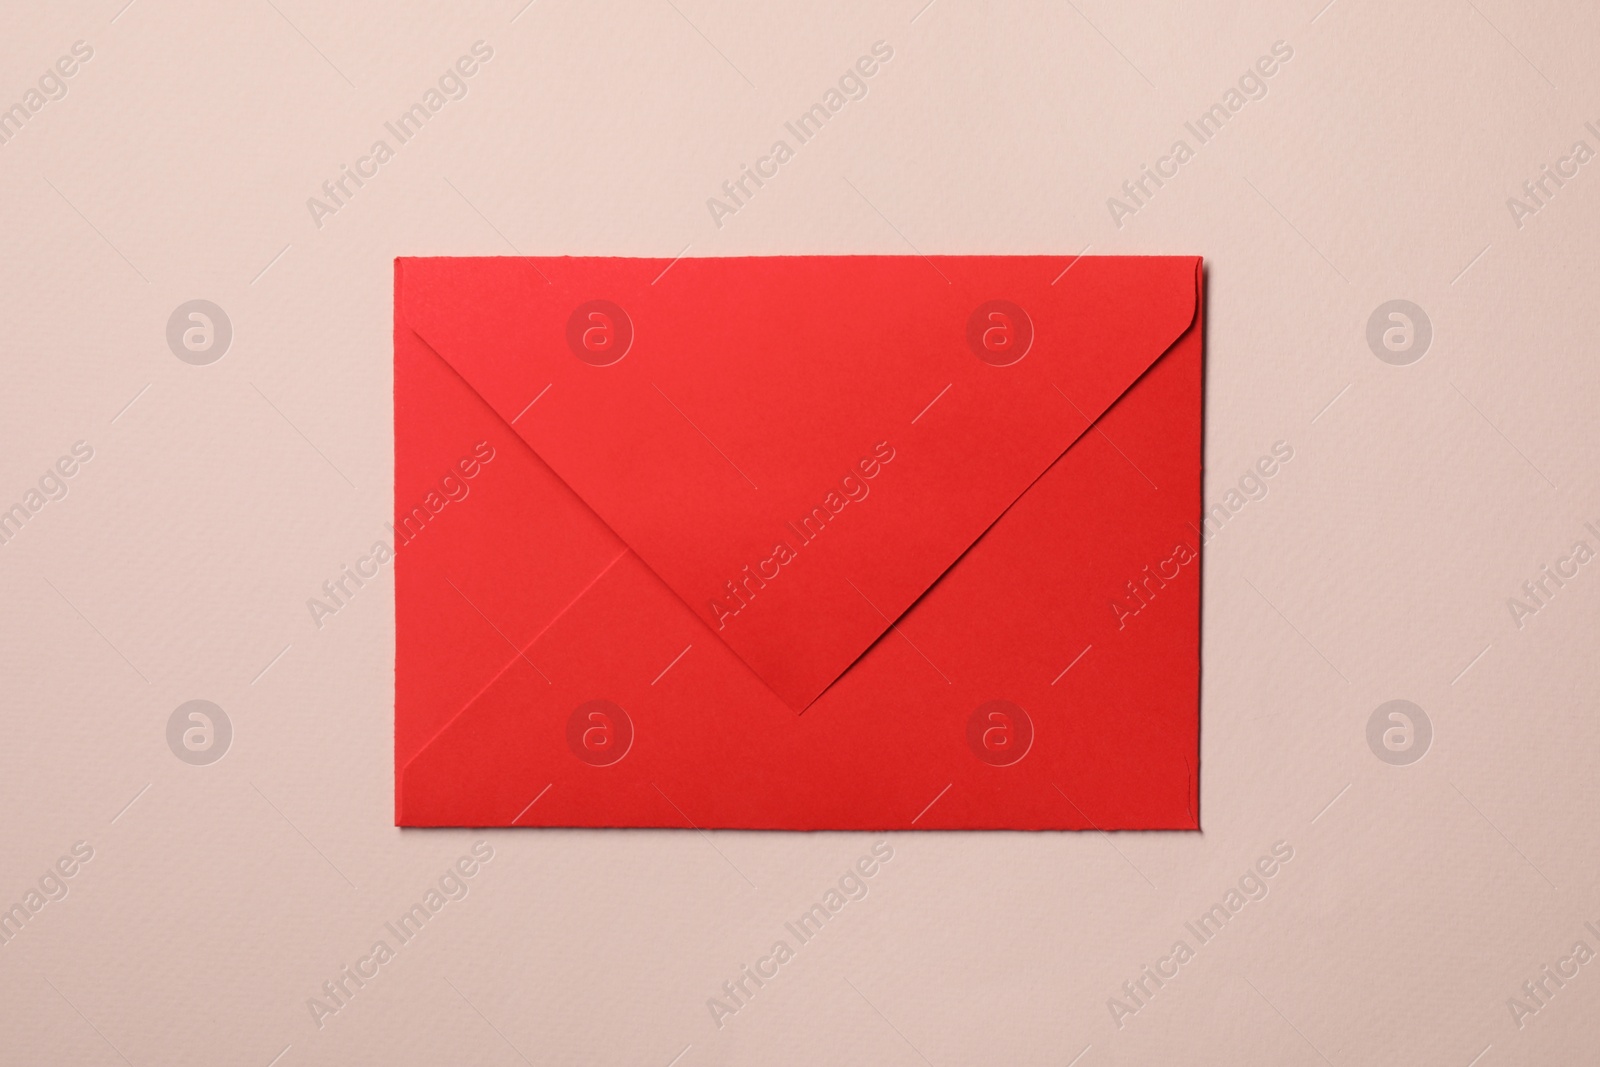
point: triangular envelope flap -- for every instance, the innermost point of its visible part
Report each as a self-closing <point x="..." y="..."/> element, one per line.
<point x="800" y="446"/>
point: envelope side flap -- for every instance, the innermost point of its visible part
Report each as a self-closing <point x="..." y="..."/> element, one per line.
<point x="799" y="446"/>
<point x="486" y="545"/>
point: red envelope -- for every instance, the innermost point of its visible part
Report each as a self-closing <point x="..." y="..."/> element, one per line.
<point x="799" y="543"/>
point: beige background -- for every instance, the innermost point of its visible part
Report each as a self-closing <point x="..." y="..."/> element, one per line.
<point x="219" y="498"/>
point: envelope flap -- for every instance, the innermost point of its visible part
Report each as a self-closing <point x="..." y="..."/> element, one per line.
<point x="799" y="446"/>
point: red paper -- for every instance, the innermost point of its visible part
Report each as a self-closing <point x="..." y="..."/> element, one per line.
<point x="821" y="542"/>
